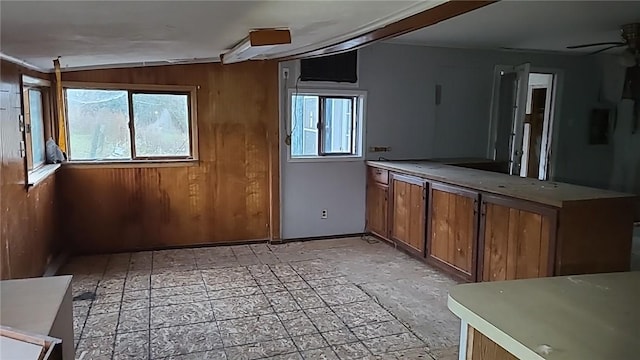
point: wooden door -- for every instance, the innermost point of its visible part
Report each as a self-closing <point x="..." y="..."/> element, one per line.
<point x="408" y="212"/>
<point x="377" y="208"/>
<point x="517" y="238"/>
<point x="453" y="234"/>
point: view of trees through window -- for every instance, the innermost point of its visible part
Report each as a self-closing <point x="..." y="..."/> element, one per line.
<point x="99" y="126"/>
<point x="161" y="124"/>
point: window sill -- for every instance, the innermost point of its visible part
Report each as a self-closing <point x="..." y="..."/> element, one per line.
<point x="40" y="174"/>
<point x="325" y="159"/>
<point x="130" y="164"/>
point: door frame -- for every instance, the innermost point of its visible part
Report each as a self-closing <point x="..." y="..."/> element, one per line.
<point x="450" y="268"/>
<point x="493" y="112"/>
<point x="517" y="125"/>
<point x="550" y="140"/>
<point x="517" y="120"/>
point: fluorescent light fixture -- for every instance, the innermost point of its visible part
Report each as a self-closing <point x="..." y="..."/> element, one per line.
<point x="256" y="44"/>
<point x="15" y="60"/>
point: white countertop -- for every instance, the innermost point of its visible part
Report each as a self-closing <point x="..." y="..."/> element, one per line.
<point x="544" y="192"/>
<point x="32" y="304"/>
<point x="579" y="317"/>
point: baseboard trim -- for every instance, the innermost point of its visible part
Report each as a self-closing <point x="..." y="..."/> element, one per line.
<point x="182" y="246"/>
<point x="55" y="265"/>
<point x="59" y="261"/>
<point x="312" y="238"/>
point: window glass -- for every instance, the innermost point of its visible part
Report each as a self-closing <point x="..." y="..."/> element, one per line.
<point x="304" y="127"/>
<point x="161" y="123"/>
<point x="37" y="127"/>
<point x="98" y="124"/>
<point x="338" y="126"/>
<point x="325" y="125"/>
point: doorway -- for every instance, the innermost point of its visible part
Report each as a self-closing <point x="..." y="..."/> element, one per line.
<point x="536" y="125"/>
<point x="522" y="120"/>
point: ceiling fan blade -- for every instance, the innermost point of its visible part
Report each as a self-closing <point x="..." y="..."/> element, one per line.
<point x="605" y="49"/>
<point x="596" y="44"/>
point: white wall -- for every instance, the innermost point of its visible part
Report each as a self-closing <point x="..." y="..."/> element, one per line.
<point x="309" y="187"/>
<point x="400" y="82"/>
<point x="625" y="174"/>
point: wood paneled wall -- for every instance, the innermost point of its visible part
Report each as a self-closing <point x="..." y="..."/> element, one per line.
<point x="27" y="218"/>
<point x="230" y="195"/>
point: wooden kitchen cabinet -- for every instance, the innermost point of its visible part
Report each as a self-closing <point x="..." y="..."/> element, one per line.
<point x="408" y="205"/>
<point x="518" y="239"/>
<point x="453" y="229"/>
<point x="377" y="208"/>
<point x="484" y="226"/>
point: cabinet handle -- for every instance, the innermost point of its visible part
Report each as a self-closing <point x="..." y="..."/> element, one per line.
<point x="378" y="172"/>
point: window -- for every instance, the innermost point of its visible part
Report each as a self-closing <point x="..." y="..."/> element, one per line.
<point x="36" y="126"/>
<point x="106" y="123"/>
<point x="326" y="124"/>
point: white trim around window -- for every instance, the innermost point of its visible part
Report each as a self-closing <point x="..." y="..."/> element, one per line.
<point x="358" y="132"/>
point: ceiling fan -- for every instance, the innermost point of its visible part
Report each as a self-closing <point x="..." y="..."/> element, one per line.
<point x="630" y="34"/>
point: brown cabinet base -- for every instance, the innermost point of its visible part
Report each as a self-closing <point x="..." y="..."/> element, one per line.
<point x="474" y="235"/>
<point x="407" y="212"/>
<point x="518" y="240"/>
<point x="480" y="347"/>
<point x="452" y="239"/>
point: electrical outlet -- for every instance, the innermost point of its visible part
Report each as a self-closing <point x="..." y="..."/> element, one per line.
<point x="285" y="73"/>
<point x="324" y="214"/>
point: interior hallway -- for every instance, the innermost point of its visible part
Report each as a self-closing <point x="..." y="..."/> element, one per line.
<point x="329" y="299"/>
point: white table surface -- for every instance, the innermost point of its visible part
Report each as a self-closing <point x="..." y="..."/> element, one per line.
<point x="578" y="317"/>
<point x="32" y="304"/>
<point x="12" y="349"/>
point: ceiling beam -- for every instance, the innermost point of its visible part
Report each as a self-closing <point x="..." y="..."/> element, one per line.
<point x="418" y="21"/>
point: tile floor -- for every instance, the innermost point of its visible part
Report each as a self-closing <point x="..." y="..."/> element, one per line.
<point x="328" y="299"/>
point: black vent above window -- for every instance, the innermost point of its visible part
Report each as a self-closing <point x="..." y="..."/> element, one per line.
<point x="335" y="68"/>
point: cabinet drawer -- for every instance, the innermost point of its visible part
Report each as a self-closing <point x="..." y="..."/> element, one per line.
<point x="379" y="175"/>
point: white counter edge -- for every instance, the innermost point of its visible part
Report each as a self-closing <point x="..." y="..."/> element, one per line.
<point x="487" y="329"/>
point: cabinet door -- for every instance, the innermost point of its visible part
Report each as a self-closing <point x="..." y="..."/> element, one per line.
<point x="377" y="200"/>
<point x="453" y="234"/>
<point x="517" y="238"/>
<point x="408" y="211"/>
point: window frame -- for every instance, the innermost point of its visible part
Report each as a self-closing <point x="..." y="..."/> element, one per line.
<point x="321" y="125"/>
<point x="44" y="87"/>
<point x="190" y="91"/>
<point x="358" y="123"/>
